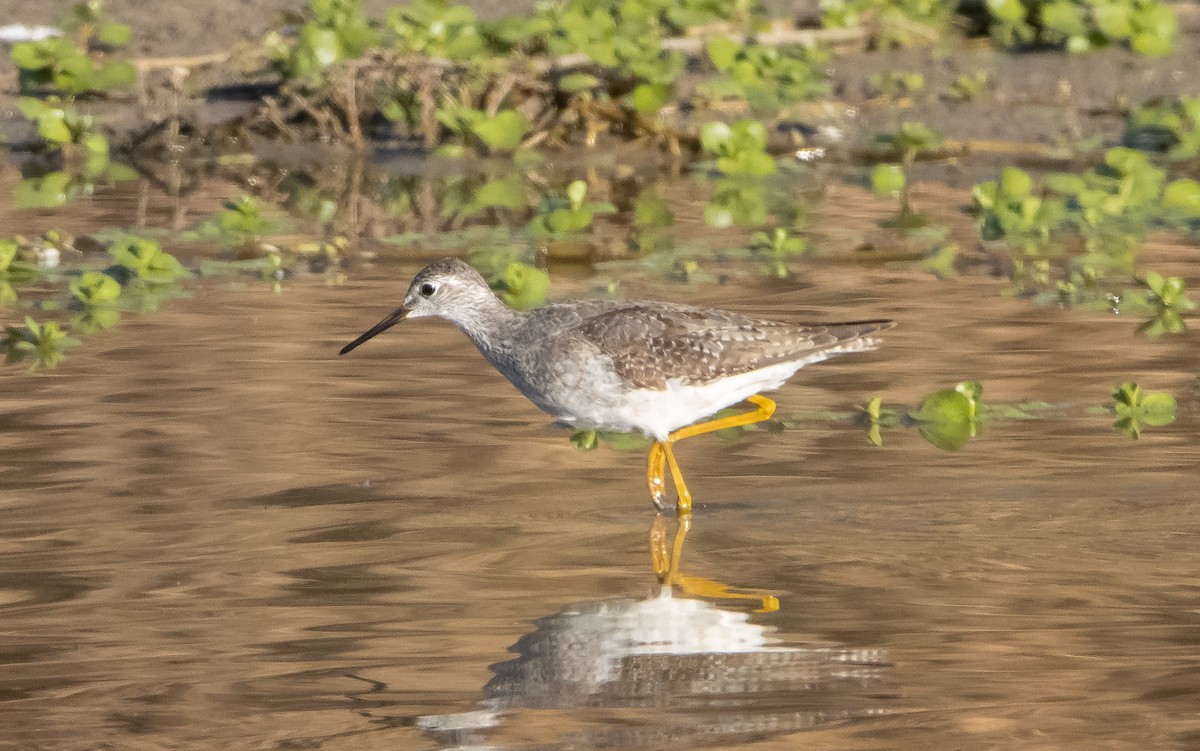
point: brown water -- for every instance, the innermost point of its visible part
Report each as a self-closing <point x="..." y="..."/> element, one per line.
<point x="218" y="534"/>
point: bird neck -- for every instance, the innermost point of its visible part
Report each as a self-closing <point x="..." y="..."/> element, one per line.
<point x="489" y="325"/>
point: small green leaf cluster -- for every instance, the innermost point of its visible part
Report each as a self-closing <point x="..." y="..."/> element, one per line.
<point x="79" y="63"/>
<point x="146" y="261"/>
<point x="436" y="28"/>
<point x="1010" y="208"/>
<point x="1122" y="196"/>
<point x="625" y="36"/>
<point x="524" y="287"/>
<point x="950" y="417"/>
<point x="1147" y="26"/>
<point x="737" y="201"/>
<point x="561" y="215"/>
<point x="1169" y="125"/>
<point x="776" y="247"/>
<point x="1169" y="302"/>
<point x="969" y="86"/>
<point x="740" y="148"/>
<point x="888" y="180"/>
<point x="1136" y="409"/>
<point x="62" y="126"/>
<point x="142" y="274"/>
<point x="896" y="84"/>
<point x="910" y="141"/>
<point x="766" y="77"/>
<point x="500" y="132"/>
<point x="84" y="150"/>
<point x="43" y="343"/>
<point x="333" y="31"/>
<point x="897" y="23"/>
<point x="240" y="224"/>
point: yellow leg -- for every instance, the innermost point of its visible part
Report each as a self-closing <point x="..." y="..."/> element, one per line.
<point x="661" y="453"/>
<point x="766" y="408"/>
<point x="660" y="559"/>
<point x="666" y="569"/>
<point x="655" y="470"/>
<point x="683" y="501"/>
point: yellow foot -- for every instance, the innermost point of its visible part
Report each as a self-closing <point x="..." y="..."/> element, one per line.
<point x="666" y="569"/>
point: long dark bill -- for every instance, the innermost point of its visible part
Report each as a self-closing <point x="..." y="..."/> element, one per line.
<point x="395" y="317"/>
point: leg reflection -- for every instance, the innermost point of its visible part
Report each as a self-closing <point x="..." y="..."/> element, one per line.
<point x="665" y="560"/>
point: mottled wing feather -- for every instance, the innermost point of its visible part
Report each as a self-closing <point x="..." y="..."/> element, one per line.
<point x="651" y="344"/>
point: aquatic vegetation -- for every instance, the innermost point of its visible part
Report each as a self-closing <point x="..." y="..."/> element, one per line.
<point x="1147" y="26"/>
<point x="436" y="28"/>
<point x="42" y="343"/>
<point x="81" y="62"/>
<point x="83" y="148"/>
<point x="332" y="32"/>
<point x="896" y="84"/>
<point x="146" y="261"/>
<point x="63" y="127"/>
<point x="896" y="23"/>
<point x="910" y="141"/>
<point x="564" y="214"/>
<point x="524" y="287"/>
<point x="1170" y="303"/>
<point x="94" y="288"/>
<point x="888" y="180"/>
<point x="948" y="418"/>
<point x="740" y="148"/>
<point x="766" y="77"/>
<point x="741" y="202"/>
<point x="13" y="271"/>
<point x="970" y="86"/>
<point x="1137" y="409"/>
<point x="1011" y="209"/>
<point x="1169" y="125"/>
<point x="480" y="131"/>
<point x="776" y="247"/>
<point x="240" y="225"/>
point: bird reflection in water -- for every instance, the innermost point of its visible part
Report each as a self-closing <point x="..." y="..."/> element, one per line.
<point x="671" y="670"/>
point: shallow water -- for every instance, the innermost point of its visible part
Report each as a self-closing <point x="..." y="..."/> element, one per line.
<point x="216" y="532"/>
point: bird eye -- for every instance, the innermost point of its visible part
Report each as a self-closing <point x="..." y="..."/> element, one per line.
<point x="427" y="290"/>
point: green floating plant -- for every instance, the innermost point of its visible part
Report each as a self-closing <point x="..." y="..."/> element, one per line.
<point x="1011" y="209"/>
<point x="589" y="440"/>
<point x="970" y="86"/>
<point x="42" y="343"/>
<point x="740" y="148"/>
<point x="240" y="224"/>
<point x="524" y="286"/>
<point x="81" y="61"/>
<point x="1147" y="26"/>
<point x="332" y="32"/>
<point x="559" y="215"/>
<point x="766" y="77"/>
<point x="436" y="28"/>
<point x="480" y="131"/>
<point x="888" y="180"/>
<point x="97" y="293"/>
<point x="896" y="84"/>
<point x="776" y="248"/>
<point x="1136" y="409"/>
<point x="894" y="23"/>
<point x="740" y="202"/>
<point x="146" y="261"/>
<point x="910" y="141"/>
<point x="1169" y="125"/>
<point x="950" y="417"/>
<point x="1170" y="302"/>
